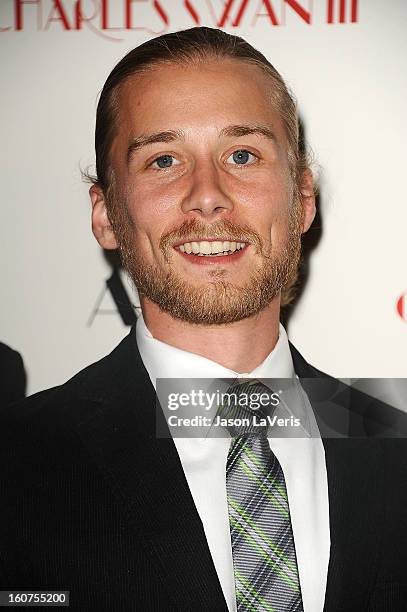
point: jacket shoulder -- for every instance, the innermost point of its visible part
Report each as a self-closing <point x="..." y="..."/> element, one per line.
<point x="76" y="399"/>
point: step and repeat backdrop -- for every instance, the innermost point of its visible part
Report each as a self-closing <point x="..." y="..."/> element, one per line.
<point x="345" y="60"/>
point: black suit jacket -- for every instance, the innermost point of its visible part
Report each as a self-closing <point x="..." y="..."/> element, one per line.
<point x="92" y="502"/>
<point x="12" y="375"/>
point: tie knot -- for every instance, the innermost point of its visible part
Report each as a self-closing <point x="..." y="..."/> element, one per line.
<point x="247" y="406"/>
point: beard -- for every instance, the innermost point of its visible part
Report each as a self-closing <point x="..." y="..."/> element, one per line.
<point x="217" y="301"/>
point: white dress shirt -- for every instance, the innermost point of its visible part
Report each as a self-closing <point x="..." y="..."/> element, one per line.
<point x="204" y="462"/>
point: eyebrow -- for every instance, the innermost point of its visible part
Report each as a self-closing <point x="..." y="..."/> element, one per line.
<point x="245" y="130"/>
<point x="139" y="142"/>
<point x="234" y="131"/>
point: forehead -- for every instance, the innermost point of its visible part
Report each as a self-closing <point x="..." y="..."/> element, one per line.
<point x="199" y="96"/>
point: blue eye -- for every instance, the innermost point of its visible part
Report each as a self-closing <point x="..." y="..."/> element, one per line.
<point x="164" y="161"/>
<point x="242" y="156"/>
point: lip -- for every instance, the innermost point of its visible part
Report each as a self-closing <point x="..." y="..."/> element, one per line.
<point x="208" y="260"/>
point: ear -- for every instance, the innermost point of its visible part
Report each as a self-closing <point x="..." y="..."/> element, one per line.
<point x="307" y="195"/>
<point x="102" y="230"/>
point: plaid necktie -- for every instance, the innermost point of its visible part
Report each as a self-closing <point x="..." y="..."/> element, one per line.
<point x="264" y="559"/>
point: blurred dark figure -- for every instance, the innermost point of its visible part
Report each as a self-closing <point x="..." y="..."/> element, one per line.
<point x="13" y="378"/>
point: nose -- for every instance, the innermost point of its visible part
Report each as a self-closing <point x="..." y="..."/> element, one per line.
<point x="205" y="195"/>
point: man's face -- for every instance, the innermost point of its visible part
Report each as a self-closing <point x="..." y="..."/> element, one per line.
<point x="205" y="214"/>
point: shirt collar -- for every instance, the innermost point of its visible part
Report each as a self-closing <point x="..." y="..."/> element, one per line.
<point x="162" y="360"/>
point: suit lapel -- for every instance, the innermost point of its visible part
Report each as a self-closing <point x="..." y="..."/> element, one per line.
<point x="147" y="478"/>
<point x="355" y="487"/>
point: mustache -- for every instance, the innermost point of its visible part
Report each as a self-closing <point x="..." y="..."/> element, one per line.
<point x="223" y="229"/>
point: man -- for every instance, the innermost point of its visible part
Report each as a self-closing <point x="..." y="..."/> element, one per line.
<point x="203" y="187"/>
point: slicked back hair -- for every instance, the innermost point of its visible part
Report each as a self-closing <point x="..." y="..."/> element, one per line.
<point x="187" y="46"/>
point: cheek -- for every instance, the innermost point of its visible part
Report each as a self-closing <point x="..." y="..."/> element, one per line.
<point x="152" y="201"/>
<point x="267" y="194"/>
<point x="280" y="227"/>
<point x="150" y="215"/>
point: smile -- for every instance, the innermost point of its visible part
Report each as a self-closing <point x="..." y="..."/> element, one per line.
<point x="211" y="248"/>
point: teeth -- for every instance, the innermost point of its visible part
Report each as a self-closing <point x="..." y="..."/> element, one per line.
<point x="205" y="248"/>
<point x="216" y="248"/>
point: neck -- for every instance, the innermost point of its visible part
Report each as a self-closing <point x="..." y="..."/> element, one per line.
<point x="240" y="346"/>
